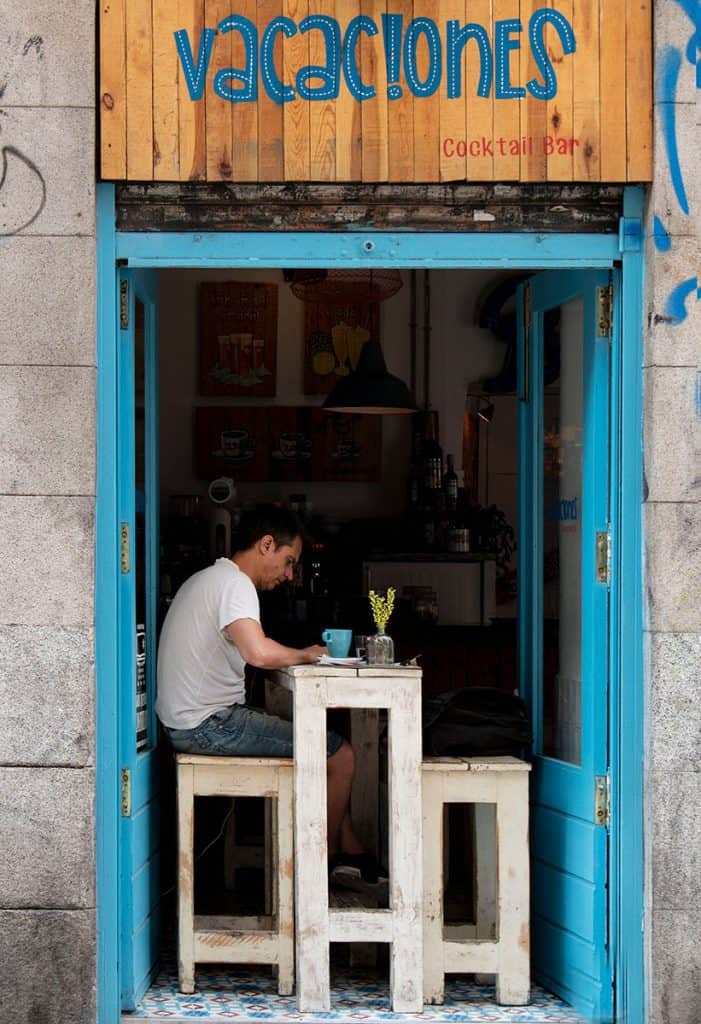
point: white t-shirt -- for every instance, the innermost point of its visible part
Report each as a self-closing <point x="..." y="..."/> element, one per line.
<point x="200" y="671"/>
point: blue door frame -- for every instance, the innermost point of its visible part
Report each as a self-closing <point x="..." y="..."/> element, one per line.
<point x="402" y="250"/>
<point x="139" y="851"/>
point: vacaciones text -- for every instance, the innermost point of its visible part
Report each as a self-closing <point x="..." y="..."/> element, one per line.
<point x="441" y="50"/>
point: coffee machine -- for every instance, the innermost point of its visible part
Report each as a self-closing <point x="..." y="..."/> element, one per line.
<point x="222" y="493"/>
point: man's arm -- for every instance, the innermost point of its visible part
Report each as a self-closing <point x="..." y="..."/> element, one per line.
<point x="259" y="650"/>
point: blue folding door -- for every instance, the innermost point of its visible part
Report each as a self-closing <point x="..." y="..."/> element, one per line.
<point x="137" y="474"/>
<point x="565" y="335"/>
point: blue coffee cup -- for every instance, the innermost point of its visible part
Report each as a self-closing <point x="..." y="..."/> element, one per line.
<point x="338" y="642"/>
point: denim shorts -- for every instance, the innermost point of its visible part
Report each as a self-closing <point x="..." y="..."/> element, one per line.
<point x="240" y="731"/>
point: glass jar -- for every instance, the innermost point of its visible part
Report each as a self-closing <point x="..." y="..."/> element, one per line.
<point x="380" y="649"/>
<point x="426" y="605"/>
<point x="459" y="540"/>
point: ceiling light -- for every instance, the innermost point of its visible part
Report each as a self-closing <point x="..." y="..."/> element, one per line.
<point x="370" y="388"/>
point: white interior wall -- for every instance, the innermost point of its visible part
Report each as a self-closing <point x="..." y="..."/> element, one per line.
<point x="461" y="353"/>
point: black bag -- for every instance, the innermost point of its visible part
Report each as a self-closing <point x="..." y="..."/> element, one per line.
<point x="473" y="721"/>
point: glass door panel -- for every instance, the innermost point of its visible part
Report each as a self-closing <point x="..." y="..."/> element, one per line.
<point x="143" y="740"/>
<point x="138" y="515"/>
<point x="562" y="549"/>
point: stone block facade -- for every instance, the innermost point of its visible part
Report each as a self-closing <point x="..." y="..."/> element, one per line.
<point x="47" y="507"/>
<point x="672" y="528"/>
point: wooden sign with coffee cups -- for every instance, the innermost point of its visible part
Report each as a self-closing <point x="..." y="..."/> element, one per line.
<point x="290" y="444"/>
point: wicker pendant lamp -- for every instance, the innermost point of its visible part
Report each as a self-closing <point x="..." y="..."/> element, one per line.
<point x="355" y="285"/>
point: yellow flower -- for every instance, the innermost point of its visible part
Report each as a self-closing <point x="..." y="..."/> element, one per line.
<point x="382" y="607"/>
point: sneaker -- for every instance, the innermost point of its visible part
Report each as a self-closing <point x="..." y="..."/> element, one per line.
<point x="357" y="866"/>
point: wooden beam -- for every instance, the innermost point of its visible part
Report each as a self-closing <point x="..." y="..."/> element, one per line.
<point x="338" y="207"/>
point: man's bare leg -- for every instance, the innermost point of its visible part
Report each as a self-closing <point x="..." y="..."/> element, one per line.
<point x="340" y="769"/>
<point x="348" y="840"/>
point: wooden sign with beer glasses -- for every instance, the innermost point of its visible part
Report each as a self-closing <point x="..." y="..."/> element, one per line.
<point x="238" y="338"/>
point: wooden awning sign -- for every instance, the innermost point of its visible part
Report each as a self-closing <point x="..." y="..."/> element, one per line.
<point x="363" y="90"/>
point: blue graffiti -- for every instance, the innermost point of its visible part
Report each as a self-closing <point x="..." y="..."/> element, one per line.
<point x="663" y="243"/>
<point x="667" y="83"/>
<point x="692" y="8"/>
<point x="676" y="301"/>
<point x="669" y="65"/>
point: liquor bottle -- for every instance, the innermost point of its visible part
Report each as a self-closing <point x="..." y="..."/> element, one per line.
<point x="459" y="533"/>
<point x="443" y="521"/>
<point x="428" y="518"/>
<point x="413" y="493"/>
<point x="450" y="485"/>
<point x="432" y="454"/>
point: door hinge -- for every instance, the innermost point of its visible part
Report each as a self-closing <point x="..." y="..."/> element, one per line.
<point x="605" y="311"/>
<point x="126" y="792"/>
<point x="123" y="304"/>
<point x="124" y="548"/>
<point x="602" y="800"/>
<point x="603" y="556"/>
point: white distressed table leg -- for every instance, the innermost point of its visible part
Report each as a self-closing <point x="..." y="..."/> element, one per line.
<point x="433" y="869"/>
<point x="283" y="885"/>
<point x="365" y="740"/>
<point x="186" y="879"/>
<point x="406" y="881"/>
<point x="513" y="980"/>
<point x="446" y="845"/>
<point x="271" y="861"/>
<point x="311" y="894"/>
<point x="270" y="853"/>
<point x="485" y="855"/>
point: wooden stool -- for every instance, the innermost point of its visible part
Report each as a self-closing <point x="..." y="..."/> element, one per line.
<point x="236" y="940"/>
<point x="238" y="855"/>
<point x="502" y="781"/>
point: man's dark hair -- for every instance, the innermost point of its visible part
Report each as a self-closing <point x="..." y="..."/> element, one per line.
<point x="280" y="523"/>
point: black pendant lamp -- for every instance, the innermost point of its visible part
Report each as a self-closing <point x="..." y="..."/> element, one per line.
<point x="370" y="388"/>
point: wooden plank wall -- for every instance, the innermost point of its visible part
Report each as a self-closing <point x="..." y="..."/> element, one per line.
<point x="151" y="130"/>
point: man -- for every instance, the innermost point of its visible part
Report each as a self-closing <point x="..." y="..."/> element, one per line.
<point x="212" y="630"/>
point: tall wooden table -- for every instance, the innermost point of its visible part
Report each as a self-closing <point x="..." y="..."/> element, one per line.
<point x="314" y="689"/>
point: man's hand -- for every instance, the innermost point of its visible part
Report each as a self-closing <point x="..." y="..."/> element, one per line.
<point x="313" y="653"/>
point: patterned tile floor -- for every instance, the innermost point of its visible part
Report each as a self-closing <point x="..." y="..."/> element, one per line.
<point x="248" y="994"/>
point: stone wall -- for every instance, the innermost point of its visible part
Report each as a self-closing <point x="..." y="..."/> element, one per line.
<point x="672" y="525"/>
<point x="47" y="499"/>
